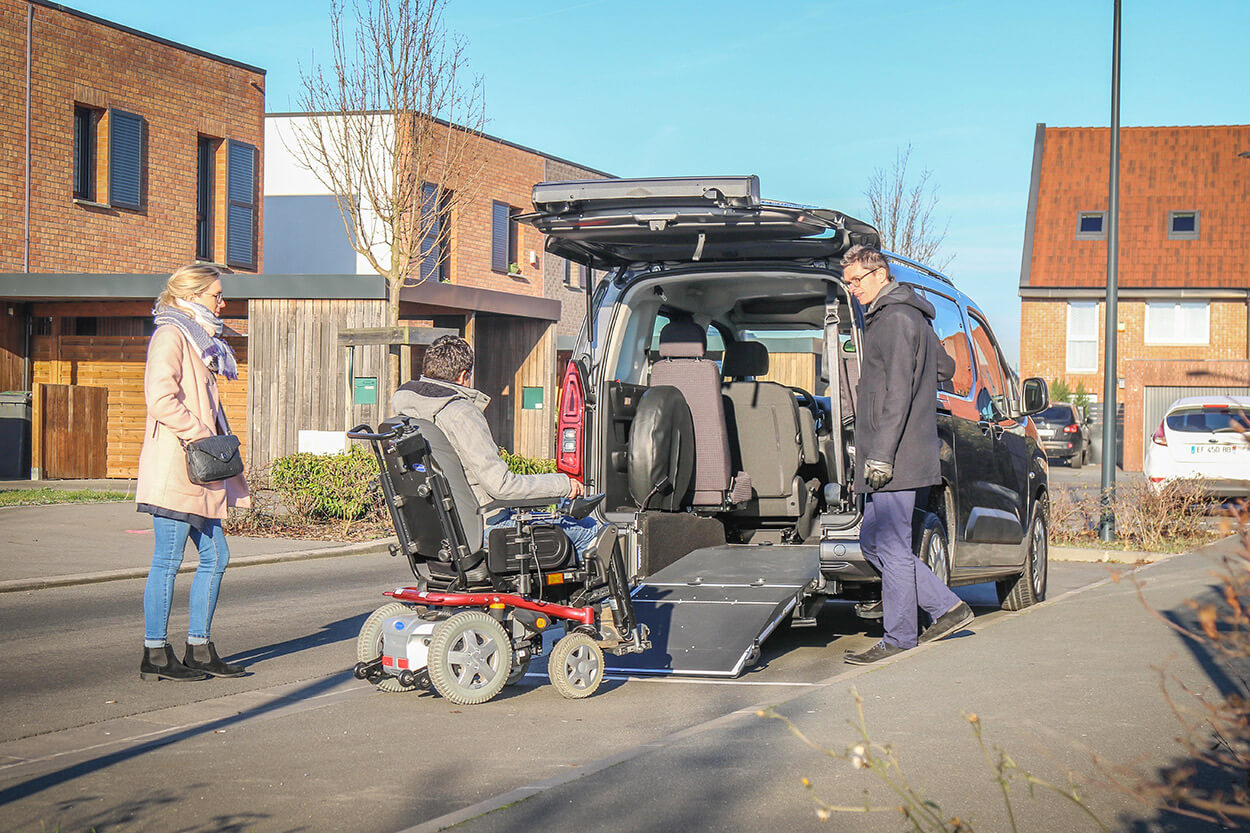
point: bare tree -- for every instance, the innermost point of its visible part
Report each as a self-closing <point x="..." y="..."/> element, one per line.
<point x="394" y="133"/>
<point x="903" y="212"/>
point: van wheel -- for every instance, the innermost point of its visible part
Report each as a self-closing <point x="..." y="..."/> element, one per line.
<point x="369" y="643"/>
<point x="1030" y="586"/>
<point x="934" y="551"/>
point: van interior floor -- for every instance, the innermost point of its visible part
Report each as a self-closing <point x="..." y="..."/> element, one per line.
<point x="709" y="611"/>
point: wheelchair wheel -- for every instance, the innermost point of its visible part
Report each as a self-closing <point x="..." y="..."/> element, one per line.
<point x="575" y="667"/>
<point x="369" y="643"/>
<point x="518" y="671"/>
<point x="470" y="657"/>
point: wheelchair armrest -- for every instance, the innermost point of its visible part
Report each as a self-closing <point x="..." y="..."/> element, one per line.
<point x="525" y="503"/>
<point x="583" y="506"/>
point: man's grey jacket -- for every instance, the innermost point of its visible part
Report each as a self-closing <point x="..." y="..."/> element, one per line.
<point x="457" y="411"/>
<point x="896" y="419"/>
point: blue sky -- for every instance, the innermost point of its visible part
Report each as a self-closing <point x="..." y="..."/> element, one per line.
<point x="811" y="96"/>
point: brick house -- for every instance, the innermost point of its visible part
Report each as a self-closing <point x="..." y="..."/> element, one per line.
<point x="497" y="287"/>
<point x="123" y="155"/>
<point x="1183" y="272"/>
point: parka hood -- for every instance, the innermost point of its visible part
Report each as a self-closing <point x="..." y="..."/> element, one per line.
<point x="899" y="293"/>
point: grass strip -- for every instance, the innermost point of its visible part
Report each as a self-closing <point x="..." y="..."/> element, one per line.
<point x="47" y="495"/>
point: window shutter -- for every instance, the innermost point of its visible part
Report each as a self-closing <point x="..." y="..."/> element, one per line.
<point x="500" y="220"/>
<point x="125" y="159"/>
<point x="431" y="267"/>
<point x="241" y="213"/>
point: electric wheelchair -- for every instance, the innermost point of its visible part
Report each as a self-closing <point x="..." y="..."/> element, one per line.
<point x="478" y="612"/>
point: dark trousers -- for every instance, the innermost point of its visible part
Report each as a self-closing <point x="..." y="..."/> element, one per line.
<point x="907" y="583"/>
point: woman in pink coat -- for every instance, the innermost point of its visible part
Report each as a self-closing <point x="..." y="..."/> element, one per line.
<point x="185" y="356"/>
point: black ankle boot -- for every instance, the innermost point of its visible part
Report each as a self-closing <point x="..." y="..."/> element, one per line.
<point x="160" y="663"/>
<point x="204" y="658"/>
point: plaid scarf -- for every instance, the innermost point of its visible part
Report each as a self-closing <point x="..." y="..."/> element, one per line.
<point x="193" y="319"/>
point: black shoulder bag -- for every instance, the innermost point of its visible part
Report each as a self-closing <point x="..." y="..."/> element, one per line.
<point x="215" y="458"/>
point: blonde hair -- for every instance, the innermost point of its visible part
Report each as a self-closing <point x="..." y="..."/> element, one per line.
<point x="188" y="282"/>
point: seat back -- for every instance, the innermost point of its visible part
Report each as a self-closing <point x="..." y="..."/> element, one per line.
<point x="774" y="437"/>
<point x="682" y="365"/>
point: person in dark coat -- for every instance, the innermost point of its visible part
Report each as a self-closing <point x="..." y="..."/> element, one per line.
<point x="896" y="450"/>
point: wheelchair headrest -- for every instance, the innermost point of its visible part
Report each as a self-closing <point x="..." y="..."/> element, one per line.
<point x="744" y="358"/>
<point x="682" y="340"/>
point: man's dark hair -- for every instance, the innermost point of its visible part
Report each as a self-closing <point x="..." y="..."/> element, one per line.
<point x="866" y="256"/>
<point x="447" y="358"/>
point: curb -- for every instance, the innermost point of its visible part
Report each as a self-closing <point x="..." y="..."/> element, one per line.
<point x="1092" y="554"/>
<point x="362" y="548"/>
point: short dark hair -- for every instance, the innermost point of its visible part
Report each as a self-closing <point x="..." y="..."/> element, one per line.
<point x="868" y="257"/>
<point x="447" y="358"/>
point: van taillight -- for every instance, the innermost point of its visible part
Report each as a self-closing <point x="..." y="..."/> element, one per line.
<point x="571" y="424"/>
<point x="1158" y="437"/>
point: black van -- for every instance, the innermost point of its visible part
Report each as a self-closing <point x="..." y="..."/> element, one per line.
<point x="711" y="395"/>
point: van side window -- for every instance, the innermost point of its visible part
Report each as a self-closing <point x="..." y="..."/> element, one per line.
<point x="993" y="397"/>
<point x="949" y="326"/>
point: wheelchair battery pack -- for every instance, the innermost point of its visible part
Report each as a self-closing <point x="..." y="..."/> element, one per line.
<point x="406" y="642"/>
<point x="509" y="549"/>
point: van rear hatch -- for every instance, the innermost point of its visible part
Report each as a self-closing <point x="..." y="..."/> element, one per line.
<point x="605" y="223"/>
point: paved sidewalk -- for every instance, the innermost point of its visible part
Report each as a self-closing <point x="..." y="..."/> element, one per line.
<point x="66" y="544"/>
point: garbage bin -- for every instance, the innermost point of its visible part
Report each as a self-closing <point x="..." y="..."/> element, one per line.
<point x="15" y="435"/>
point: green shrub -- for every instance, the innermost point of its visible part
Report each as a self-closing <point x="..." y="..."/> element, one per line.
<point x="332" y="486"/>
<point x="519" y="464"/>
<point x="1059" y="391"/>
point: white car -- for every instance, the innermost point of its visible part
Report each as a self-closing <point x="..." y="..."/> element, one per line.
<point x="1206" y="438"/>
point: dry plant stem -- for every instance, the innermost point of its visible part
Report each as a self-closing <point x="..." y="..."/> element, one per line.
<point x="904" y="213"/>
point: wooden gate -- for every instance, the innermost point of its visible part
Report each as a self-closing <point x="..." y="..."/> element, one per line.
<point x="71" y="427"/>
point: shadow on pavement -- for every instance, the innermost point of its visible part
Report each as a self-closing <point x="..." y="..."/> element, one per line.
<point x="340" y="631"/>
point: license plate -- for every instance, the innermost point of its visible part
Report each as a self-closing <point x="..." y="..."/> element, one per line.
<point x="1046" y="434"/>
<point x="1218" y="450"/>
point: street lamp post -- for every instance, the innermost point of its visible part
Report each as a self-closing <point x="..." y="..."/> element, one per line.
<point x="1106" y="526"/>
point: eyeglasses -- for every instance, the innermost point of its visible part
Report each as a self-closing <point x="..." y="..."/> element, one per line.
<point x="216" y="296"/>
<point x="857" y="281"/>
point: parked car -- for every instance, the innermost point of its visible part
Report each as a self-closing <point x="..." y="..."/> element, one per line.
<point x="707" y="284"/>
<point x="1064" y="431"/>
<point x="1204" y="438"/>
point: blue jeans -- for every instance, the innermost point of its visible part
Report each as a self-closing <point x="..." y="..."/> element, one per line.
<point x="907" y="583"/>
<point x="171" y="540"/>
<point x="582" y="533"/>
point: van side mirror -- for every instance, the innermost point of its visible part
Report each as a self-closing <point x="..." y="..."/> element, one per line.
<point x="1036" y="395"/>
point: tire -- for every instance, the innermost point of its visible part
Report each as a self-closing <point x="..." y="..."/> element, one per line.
<point x="1030" y="586"/>
<point x="1076" y="461"/>
<point x="575" y="667"/>
<point x="517" y="673"/>
<point x="470" y="658"/>
<point x="369" y="643"/>
<point x="934" y="548"/>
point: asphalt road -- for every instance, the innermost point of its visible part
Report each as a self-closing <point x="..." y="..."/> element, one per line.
<point x="299" y="744"/>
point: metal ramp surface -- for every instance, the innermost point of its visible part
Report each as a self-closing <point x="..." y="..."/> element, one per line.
<point x="709" y="611"/>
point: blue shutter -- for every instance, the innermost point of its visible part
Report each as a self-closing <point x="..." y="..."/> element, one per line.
<point x="241" y="212"/>
<point x="431" y="266"/>
<point x="500" y="220"/>
<point x="125" y="159"/>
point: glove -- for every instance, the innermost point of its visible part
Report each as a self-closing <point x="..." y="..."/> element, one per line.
<point x="877" y="473"/>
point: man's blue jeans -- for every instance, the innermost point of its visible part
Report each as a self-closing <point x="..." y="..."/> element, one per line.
<point x="906" y="581"/>
<point x="582" y="533"/>
<point x="171" y="540"/>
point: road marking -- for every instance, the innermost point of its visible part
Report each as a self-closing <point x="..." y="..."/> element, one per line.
<point x="671" y="679"/>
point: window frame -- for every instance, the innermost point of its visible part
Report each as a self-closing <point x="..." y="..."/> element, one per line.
<point x="205" y="182"/>
<point x="85" y="153"/>
<point x="506" y="213"/>
<point x="1173" y="234"/>
<point x="1068" y="340"/>
<point x="1154" y="309"/>
<point x="928" y="294"/>
<point x="1101" y="234"/>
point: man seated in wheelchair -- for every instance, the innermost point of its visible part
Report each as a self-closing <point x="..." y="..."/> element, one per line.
<point x="442" y="395"/>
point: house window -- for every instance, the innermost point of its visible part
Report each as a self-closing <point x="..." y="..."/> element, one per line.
<point x="570" y="274"/>
<point x="1183" y="225"/>
<point x="503" y="237"/>
<point x="1091" y="225"/>
<point x="1178" y="322"/>
<point x="204" y="198"/>
<point x="435" y="250"/>
<point x="585" y="275"/>
<point x="125" y="163"/>
<point x="241" y="205"/>
<point x="1082" y="337"/>
<point x="85" y="120"/>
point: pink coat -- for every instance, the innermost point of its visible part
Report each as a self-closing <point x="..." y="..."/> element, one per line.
<point x="182" y="400"/>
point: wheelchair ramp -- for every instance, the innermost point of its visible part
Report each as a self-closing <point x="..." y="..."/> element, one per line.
<point x="709" y="611"/>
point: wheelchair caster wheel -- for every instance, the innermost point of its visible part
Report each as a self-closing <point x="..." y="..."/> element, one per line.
<point x="369" y="646"/>
<point x="470" y="657"/>
<point x="575" y="667"/>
